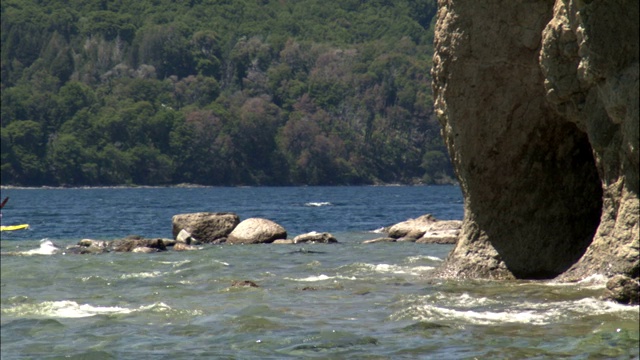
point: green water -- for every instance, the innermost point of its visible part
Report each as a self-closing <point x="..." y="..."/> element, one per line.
<point x="343" y="301"/>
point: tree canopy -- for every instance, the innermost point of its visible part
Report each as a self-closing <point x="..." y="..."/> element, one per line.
<point x="242" y="92"/>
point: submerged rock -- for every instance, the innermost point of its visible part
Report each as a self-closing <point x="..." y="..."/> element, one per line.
<point x="144" y="249"/>
<point x="256" y="231"/>
<point x="132" y="244"/>
<point x="379" y="240"/>
<point x="315" y="237"/>
<point x="184" y="247"/>
<point x="88" y="246"/>
<point x="244" y="283"/>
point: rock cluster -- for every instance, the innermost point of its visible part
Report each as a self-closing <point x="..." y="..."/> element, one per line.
<point x="194" y="229"/>
<point x="538" y="103"/>
<point x="425" y="229"/>
<point x="191" y="230"/>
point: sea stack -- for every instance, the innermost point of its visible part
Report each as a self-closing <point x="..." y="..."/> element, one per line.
<point x="538" y="103"/>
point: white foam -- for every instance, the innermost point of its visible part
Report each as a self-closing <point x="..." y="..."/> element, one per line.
<point x="436" y="313"/>
<point x="417" y="270"/>
<point x="413" y="259"/>
<point x="63" y="309"/>
<point x="176" y="263"/>
<point x="592" y="306"/>
<point x="466" y="309"/>
<point x="71" y="309"/>
<point x="322" y="277"/>
<point x="157" y="307"/>
<point x="595" y="281"/>
<point x="141" y="275"/>
<point x="47" y="247"/>
<point x="468" y="301"/>
<point x="462" y="301"/>
<point x="396" y="269"/>
<point x="318" y="204"/>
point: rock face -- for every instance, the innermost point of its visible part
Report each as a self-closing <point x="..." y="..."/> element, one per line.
<point x="256" y="231"/>
<point x="539" y="107"/>
<point x="204" y="226"/>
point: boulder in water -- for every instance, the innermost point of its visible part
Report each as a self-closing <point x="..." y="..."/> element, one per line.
<point x="623" y="289"/>
<point x="256" y="231"/>
<point x="205" y="226"/>
<point x="426" y="229"/>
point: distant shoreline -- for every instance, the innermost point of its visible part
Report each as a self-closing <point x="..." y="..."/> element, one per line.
<point x="195" y="186"/>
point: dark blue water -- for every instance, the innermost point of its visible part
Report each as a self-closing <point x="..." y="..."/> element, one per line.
<point x="109" y="213"/>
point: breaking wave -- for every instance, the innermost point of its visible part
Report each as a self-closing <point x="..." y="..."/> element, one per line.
<point x="318" y="204"/>
<point x="71" y="309"/>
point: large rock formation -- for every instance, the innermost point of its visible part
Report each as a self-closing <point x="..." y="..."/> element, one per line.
<point x="205" y="227"/>
<point x="539" y="107"/>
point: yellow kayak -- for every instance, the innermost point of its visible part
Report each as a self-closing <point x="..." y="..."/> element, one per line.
<point x="14" y="227"/>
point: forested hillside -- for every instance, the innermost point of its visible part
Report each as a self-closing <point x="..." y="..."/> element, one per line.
<point x="215" y="92"/>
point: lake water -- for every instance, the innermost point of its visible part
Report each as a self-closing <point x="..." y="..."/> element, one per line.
<point x="338" y="301"/>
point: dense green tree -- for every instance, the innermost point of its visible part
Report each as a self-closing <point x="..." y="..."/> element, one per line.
<point x="67" y="160"/>
<point x="26" y="152"/>
<point x="218" y="93"/>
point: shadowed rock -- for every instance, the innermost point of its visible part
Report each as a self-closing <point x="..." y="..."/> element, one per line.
<point x="623" y="289"/>
<point x="244" y="283"/>
<point x="133" y="243"/>
<point x="204" y="226"/>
